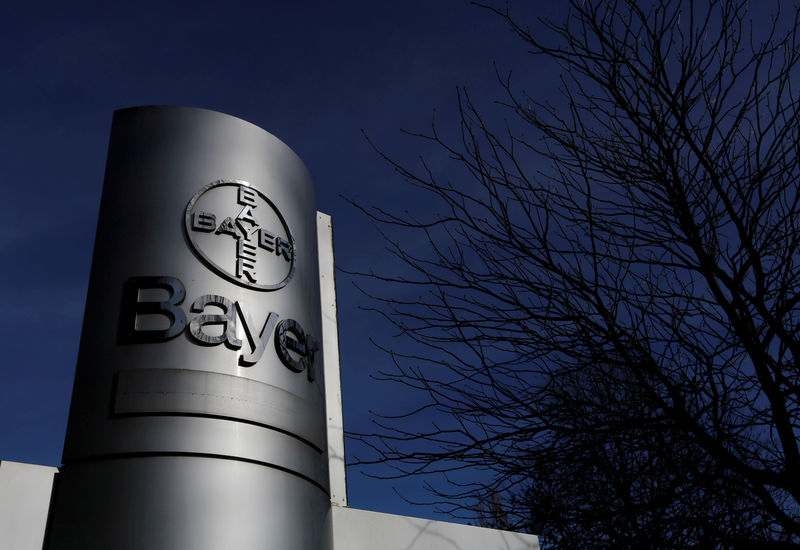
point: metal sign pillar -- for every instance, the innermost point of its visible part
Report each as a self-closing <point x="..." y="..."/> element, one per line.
<point x="198" y="411"/>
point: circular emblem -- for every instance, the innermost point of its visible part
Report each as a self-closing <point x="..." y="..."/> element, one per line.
<point x="239" y="233"/>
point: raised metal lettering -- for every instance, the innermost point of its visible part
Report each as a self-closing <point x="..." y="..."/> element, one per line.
<point x="246" y="215"/>
<point x="246" y="261"/>
<point x="289" y="337"/>
<point x="228" y="228"/>
<point x="257" y="344"/>
<point x="270" y="242"/>
<point x="283" y="248"/>
<point x="312" y="347"/>
<point x="132" y="308"/>
<point x="266" y="240"/>
<point x="247" y="195"/>
<point x="227" y="319"/>
<point x="203" y="221"/>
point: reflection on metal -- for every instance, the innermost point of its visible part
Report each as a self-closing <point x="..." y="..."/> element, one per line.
<point x="175" y="441"/>
<point x="173" y="445"/>
<point x="257" y="258"/>
<point x="226" y="320"/>
<point x="191" y="392"/>
<point x="219" y="321"/>
<point x="290" y="337"/>
<point x="257" y="341"/>
<point x="135" y="311"/>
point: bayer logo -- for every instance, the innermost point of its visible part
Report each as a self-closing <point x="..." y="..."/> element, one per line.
<point x="240" y="234"/>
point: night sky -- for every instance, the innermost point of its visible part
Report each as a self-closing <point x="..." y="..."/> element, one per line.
<point x="313" y="74"/>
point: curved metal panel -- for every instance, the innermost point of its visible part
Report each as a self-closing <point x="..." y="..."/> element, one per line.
<point x="186" y="503"/>
<point x="192" y="392"/>
<point x="200" y="337"/>
<point x="203" y="436"/>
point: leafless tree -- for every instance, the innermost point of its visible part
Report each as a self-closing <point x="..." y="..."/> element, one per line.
<point x="604" y="316"/>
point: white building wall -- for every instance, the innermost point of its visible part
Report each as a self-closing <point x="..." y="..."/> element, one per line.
<point x="362" y="530"/>
<point x="24" y="503"/>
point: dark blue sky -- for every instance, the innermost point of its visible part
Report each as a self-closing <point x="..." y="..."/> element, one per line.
<point x="314" y="74"/>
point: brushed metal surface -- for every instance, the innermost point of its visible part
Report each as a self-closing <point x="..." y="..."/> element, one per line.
<point x="192" y="392"/>
<point x="147" y="435"/>
<point x="192" y="426"/>
<point x="185" y="503"/>
<point x="158" y="160"/>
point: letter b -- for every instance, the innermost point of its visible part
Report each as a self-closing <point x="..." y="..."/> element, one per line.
<point x="132" y="308"/>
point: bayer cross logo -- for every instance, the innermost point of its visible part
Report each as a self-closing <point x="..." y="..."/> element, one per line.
<point x="238" y="232"/>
